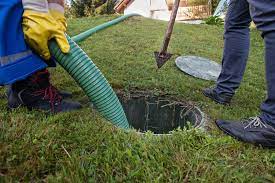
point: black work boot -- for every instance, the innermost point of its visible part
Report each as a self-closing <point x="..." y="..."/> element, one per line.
<point x="36" y="92"/>
<point x="223" y="99"/>
<point x="64" y="94"/>
<point x="253" y="130"/>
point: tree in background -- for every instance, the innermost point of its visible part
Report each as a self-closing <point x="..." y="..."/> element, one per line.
<point x="106" y="8"/>
<point x="214" y="4"/>
<point x="82" y="8"/>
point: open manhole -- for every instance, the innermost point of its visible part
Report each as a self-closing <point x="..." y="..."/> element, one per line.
<point x="159" y="114"/>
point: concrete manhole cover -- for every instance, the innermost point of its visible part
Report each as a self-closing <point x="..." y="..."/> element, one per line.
<point x="199" y="67"/>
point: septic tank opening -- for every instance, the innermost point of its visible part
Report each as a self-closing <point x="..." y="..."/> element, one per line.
<point x="159" y="114"/>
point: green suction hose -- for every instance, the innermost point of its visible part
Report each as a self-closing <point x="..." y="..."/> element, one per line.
<point x="91" y="80"/>
<point x="89" y="77"/>
<point x="86" y="34"/>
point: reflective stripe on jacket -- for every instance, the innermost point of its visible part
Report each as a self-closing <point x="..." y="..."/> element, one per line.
<point x="17" y="61"/>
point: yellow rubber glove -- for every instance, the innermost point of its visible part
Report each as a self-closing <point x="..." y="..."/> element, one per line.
<point x="39" y="28"/>
<point x="60" y="18"/>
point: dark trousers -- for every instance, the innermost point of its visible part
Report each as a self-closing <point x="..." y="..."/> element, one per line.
<point x="236" y="48"/>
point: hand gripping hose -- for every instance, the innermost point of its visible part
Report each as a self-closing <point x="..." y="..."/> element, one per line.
<point x="91" y="80"/>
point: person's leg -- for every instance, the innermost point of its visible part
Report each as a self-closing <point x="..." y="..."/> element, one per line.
<point x="268" y="106"/>
<point x="263" y="14"/>
<point x="236" y="50"/>
<point x="236" y="47"/>
<point x="260" y="130"/>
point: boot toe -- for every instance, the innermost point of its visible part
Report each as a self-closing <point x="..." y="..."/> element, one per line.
<point x="264" y="136"/>
<point x="65" y="94"/>
<point x="67" y="106"/>
<point x="223" y="99"/>
<point x="233" y="129"/>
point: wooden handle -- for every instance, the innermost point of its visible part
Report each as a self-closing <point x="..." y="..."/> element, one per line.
<point x="170" y="27"/>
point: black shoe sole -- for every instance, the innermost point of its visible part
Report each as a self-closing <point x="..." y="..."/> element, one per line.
<point x="215" y="100"/>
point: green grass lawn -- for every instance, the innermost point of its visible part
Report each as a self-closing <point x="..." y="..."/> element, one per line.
<point x="82" y="147"/>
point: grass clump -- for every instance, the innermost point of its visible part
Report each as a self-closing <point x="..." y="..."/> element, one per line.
<point x="214" y="20"/>
<point x="83" y="147"/>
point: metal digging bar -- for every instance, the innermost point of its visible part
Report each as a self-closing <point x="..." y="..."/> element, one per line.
<point x="162" y="57"/>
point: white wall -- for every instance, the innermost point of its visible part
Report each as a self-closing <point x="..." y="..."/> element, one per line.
<point x="141" y="7"/>
<point x="158" y="5"/>
<point x="156" y="9"/>
<point x="161" y="15"/>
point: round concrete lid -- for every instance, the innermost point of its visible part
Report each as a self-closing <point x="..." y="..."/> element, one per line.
<point x="199" y="67"/>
